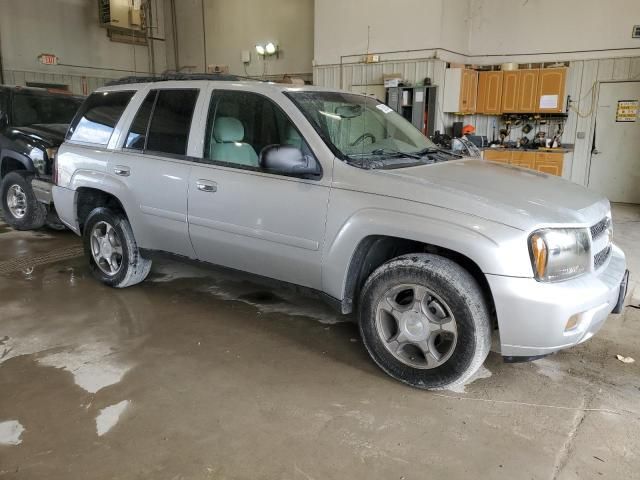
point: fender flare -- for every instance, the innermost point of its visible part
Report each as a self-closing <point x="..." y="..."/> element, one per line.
<point x="459" y="233"/>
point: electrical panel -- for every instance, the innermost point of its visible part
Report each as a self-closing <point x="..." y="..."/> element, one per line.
<point x="120" y="14"/>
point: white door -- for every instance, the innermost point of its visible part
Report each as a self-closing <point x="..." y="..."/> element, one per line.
<point x="615" y="161"/>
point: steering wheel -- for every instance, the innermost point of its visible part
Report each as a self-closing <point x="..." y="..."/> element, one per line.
<point x="362" y="138"/>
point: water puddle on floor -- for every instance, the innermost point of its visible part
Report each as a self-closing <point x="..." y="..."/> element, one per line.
<point x="10" y="432"/>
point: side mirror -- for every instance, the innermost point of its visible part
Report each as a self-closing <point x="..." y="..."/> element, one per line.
<point x="4" y="120"/>
<point x="288" y="160"/>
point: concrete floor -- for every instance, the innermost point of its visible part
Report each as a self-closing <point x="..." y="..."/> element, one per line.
<point x="197" y="374"/>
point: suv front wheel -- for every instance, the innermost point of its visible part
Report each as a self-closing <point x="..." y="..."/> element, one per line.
<point x="20" y="207"/>
<point x="424" y="321"/>
<point x="112" y="251"/>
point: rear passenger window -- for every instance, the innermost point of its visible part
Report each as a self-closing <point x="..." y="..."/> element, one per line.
<point x="98" y="116"/>
<point x="171" y="121"/>
<point x="137" y="136"/>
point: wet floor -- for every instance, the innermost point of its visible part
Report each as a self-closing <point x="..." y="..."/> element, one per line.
<point x="202" y="374"/>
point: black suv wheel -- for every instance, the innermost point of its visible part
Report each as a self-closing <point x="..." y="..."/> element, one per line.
<point x="20" y="207"/>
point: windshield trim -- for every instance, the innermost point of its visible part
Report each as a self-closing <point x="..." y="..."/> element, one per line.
<point x="325" y="138"/>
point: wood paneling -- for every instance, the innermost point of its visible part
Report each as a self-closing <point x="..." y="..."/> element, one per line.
<point x="527" y="90"/>
<point x="523" y="159"/>
<point x="490" y="93"/>
<point x="510" y="91"/>
<point x="551" y="81"/>
<point x="497" y="155"/>
<point x="550" y="163"/>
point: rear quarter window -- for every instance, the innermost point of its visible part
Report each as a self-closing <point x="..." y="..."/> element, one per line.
<point x="97" y="118"/>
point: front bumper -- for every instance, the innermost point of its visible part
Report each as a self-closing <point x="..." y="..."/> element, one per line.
<point x="532" y="315"/>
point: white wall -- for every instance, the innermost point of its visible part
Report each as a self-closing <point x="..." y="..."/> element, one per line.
<point x="416" y="25"/>
<point x="70" y="30"/>
<point x="233" y="26"/>
<point x="482" y="31"/>
<point x="551" y="30"/>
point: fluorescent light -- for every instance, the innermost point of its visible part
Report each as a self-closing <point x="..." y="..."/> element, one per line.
<point x="270" y="48"/>
<point x="260" y="49"/>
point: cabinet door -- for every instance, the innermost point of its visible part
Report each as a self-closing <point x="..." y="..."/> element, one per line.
<point x="468" y="86"/>
<point x="489" y="93"/>
<point x="497" y="155"/>
<point x="551" y="85"/>
<point x="550" y="163"/>
<point x="524" y="159"/>
<point x="527" y="90"/>
<point x="472" y="92"/>
<point x="510" y="91"/>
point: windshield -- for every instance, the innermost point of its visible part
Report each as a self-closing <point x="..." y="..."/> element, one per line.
<point x="32" y="109"/>
<point x="361" y="127"/>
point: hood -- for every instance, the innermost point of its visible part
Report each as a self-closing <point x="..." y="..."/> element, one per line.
<point x="52" y="134"/>
<point x="513" y="196"/>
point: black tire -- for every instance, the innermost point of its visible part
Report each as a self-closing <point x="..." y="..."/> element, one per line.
<point x="53" y="221"/>
<point x="134" y="268"/>
<point x="35" y="213"/>
<point x="462" y="295"/>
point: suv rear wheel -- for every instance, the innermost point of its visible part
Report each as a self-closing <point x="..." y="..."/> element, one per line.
<point x="424" y="321"/>
<point x="20" y="207"/>
<point x="112" y="251"/>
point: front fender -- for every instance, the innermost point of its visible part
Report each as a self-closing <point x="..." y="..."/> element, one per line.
<point x="7" y="154"/>
<point x="497" y="249"/>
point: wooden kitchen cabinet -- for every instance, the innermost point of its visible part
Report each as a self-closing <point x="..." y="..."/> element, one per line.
<point x="490" y="93"/>
<point x="546" y="162"/>
<point x="527" y="90"/>
<point x="523" y="159"/>
<point x="497" y="155"/>
<point x="551" y="86"/>
<point x="550" y="163"/>
<point x="460" y="90"/>
<point x="510" y="91"/>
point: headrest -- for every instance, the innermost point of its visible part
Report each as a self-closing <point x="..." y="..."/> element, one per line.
<point x="228" y="129"/>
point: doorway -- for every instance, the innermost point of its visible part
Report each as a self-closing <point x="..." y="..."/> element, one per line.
<point x="615" y="158"/>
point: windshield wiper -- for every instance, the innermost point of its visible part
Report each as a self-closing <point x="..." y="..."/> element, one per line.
<point x="386" y="151"/>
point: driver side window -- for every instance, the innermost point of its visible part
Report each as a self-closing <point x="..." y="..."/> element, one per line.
<point x="240" y="125"/>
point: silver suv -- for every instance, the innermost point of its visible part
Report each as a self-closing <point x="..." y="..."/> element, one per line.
<point x="333" y="191"/>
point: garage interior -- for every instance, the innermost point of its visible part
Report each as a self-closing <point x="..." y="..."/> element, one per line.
<point x="203" y="373"/>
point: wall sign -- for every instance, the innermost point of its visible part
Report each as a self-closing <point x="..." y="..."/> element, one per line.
<point x="627" y="111"/>
<point x="48" y="59"/>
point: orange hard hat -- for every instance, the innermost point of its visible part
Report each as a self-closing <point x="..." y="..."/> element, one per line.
<point x="468" y="129"/>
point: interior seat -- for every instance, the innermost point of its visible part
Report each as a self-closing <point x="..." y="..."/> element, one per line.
<point x="228" y="133"/>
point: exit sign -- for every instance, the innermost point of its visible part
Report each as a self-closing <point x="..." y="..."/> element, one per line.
<point x="48" y="59"/>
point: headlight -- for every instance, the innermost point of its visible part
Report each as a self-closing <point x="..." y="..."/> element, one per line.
<point x="559" y="253"/>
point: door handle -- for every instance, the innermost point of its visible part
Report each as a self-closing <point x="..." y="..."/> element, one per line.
<point x="122" y="171"/>
<point x="207" y="186"/>
<point x="596" y="152"/>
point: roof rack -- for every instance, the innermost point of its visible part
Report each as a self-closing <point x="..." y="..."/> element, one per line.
<point x="165" y="77"/>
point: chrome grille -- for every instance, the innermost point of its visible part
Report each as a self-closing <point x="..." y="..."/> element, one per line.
<point x="601" y="257"/>
<point x="601" y="241"/>
<point x="600" y="227"/>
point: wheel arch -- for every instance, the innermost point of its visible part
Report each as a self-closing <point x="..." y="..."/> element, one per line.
<point x="375" y="250"/>
<point x="89" y="198"/>
<point x="12" y="161"/>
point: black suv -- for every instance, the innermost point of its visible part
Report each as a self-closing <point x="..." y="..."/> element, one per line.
<point x="33" y="123"/>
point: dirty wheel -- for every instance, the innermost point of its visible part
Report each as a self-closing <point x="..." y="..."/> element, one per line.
<point x="20" y="207"/>
<point x="114" y="257"/>
<point x="424" y="321"/>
